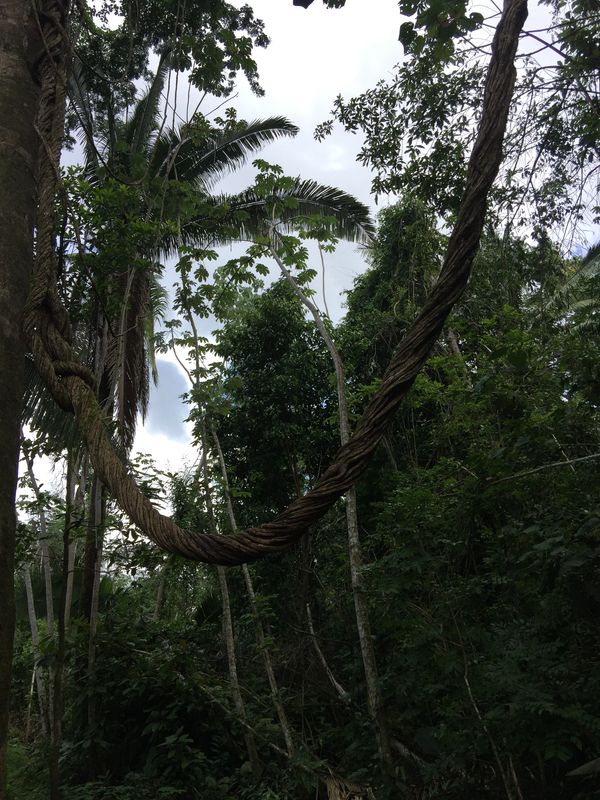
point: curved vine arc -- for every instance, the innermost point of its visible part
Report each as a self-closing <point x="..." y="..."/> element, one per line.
<point x="71" y="385"/>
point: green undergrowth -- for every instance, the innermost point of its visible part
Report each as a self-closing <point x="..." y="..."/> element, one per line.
<point x="27" y="775"/>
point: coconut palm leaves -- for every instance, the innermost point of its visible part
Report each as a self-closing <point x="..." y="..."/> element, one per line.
<point x="173" y="171"/>
<point x="574" y="290"/>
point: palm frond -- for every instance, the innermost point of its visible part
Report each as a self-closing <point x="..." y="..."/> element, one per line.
<point x="43" y="415"/>
<point x="126" y="362"/>
<point x="80" y="102"/>
<point x="181" y="157"/>
<point x="137" y="131"/>
<point x="157" y="310"/>
<point x="351" y="218"/>
<point x="573" y="288"/>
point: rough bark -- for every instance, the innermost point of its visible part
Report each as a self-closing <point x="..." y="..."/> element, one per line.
<point x="19" y="95"/>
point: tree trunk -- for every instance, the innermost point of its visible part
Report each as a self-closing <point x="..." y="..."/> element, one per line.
<point x="43" y="543"/>
<point x="76" y="497"/>
<point x="19" y="95"/>
<point x="92" y="545"/>
<point x="374" y="700"/>
<point x="260" y="631"/>
<point x="97" y="513"/>
<point x="341" y="692"/>
<point x="228" y="635"/>
<point x="161" y="592"/>
<point x="47" y="570"/>
<point x="35" y="640"/>
<point x="70" y="579"/>
<point x="236" y="693"/>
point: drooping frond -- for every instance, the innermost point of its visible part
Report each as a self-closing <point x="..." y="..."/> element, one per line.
<point x="92" y="139"/>
<point x="157" y="309"/>
<point x="137" y="131"/>
<point x="352" y="220"/>
<point x="43" y="415"/>
<point x="572" y="290"/>
<point x="180" y="156"/>
<point x="126" y="362"/>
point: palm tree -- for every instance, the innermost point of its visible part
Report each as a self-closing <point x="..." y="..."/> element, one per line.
<point x="170" y="172"/>
<point x="138" y="150"/>
<point x="576" y="293"/>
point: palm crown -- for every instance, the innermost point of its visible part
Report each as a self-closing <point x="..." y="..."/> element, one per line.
<point x="173" y="171"/>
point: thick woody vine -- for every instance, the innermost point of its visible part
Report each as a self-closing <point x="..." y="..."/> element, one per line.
<point x="72" y="386"/>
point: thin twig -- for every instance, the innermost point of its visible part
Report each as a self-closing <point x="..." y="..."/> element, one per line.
<point x="525" y="472"/>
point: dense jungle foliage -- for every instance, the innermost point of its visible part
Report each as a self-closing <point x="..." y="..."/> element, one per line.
<point x="451" y="650"/>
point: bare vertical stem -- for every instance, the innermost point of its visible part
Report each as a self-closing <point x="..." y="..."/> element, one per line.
<point x="43" y="542"/>
<point x="343" y="694"/>
<point x="35" y="640"/>
<point x="260" y="630"/>
<point x="161" y="591"/>
<point x="375" y="704"/>
<point x="96" y="513"/>
<point x="73" y="519"/>
<point x="47" y="568"/>
<point x="228" y="634"/>
<point x="76" y="497"/>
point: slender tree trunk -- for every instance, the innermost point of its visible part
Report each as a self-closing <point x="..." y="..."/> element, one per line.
<point x="70" y="580"/>
<point x="105" y="395"/>
<point x="93" y="544"/>
<point x="43" y="543"/>
<point x="374" y="700"/>
<point x="47" y="570"/>
<point x="73" y="518"/>
<point x="238" y="700"/>
<point x="19" y="96"/>
<point x="29" y="706"/>
<point x="161" y="592"/>
<point x="97" y="513"/>
<point x="341" y="692"/>
<point x="35" y="640"/>
<point x="260" y="631"/>
<point x="228" y="635"/>
<point x="77" y="498"/>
